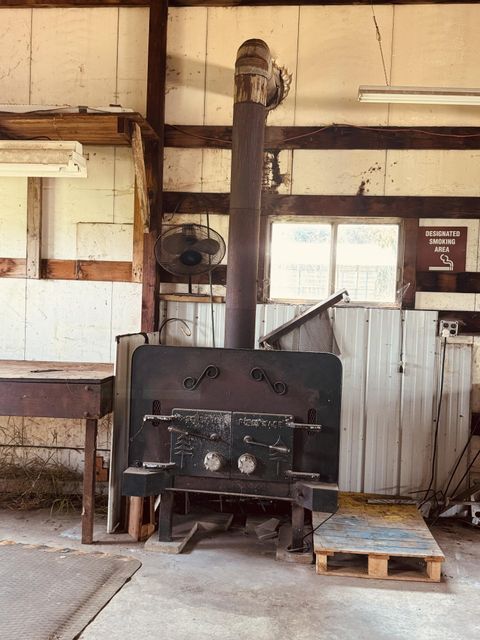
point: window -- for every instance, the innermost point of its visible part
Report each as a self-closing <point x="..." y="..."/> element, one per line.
<point x="310" y="260"/>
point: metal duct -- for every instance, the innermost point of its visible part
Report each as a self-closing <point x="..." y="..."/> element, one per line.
<point x="258" y="87"/>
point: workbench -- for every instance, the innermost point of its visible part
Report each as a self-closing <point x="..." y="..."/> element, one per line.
<point x="69" y="390"/>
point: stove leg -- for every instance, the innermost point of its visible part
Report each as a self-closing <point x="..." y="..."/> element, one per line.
<point x="298" y="521"/>
<point x="165" y="516"/>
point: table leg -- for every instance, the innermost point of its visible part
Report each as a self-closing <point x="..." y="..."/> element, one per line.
<point x="89" y="471"/>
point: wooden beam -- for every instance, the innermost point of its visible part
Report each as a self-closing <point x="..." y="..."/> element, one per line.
<point x="141" y="191"/>
<point x="54" y="4"/>
<point x="273" y="3"/>
<point x="91" y="128"/>
<point x="446" y="282"/>
<point x="157" y="57"/>
<point x="12" y="268"/>
<point x="330" y="137"/>
<point x="318" y="205"/>
<point x="34" y="227"/>
<point x="209" y="3"/>
<point x="97" y="270"/>
<point x="409" y="278"/>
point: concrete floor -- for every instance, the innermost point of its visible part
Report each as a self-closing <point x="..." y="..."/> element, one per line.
<point x="228" y="586"/>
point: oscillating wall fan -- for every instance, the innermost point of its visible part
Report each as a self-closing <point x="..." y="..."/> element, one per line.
<point x="189" y="249"/>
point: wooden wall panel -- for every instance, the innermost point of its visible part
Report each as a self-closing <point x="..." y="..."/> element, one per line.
<point x="12" y="319"/>
<point x="186" y="50"/>
<point x="338" y="51"/>
<point x="131" y="90"/>
<point x="77" y="65"/>
<point x="432" y="173"/>
<point x="13" y="217"/>
<point x="445" y="38"/>
<point x="70" y="201"/>
<point x="16" y="27"/>
<point x="68" y="321"/>
<point x="338" y="172"/>
<point x="227" y="30"/>
<point x="104" y="241"/>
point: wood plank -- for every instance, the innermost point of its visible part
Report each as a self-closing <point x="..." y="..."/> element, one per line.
<point x="321" y="205"/>
<point x="51" y="370"/>
<point x="330" y="137"/>
<point x="95" y="270"/>
<point x="12" y="267"/>
<point x="91" y="128"/>
<point x="135" y="517"/>
<point x="34" y="228"/>
<point x="156" y="74"/>
<point x="141" y="191"/>
<point x="378" y="566"/>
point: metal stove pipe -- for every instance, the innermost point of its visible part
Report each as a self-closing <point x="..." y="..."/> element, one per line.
<point x="257" y="83"/>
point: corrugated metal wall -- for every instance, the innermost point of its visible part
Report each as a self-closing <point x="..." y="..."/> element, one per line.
<point x="391" y="368"/>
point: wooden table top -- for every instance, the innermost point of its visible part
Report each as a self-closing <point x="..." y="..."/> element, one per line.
<point x="41" y="371"/>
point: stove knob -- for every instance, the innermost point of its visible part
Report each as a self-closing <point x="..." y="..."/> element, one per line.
<point x="214" y="461"/>
<point x="247" y="463"/>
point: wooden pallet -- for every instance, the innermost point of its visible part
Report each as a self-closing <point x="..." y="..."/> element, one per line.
<point x="386" y="541"/>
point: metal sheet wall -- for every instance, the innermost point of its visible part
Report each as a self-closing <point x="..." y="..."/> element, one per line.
<point x="391" y="365"/>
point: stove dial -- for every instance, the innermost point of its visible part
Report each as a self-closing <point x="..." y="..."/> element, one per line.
<point x="247" y="463"/>
<point x="214" y="461"/>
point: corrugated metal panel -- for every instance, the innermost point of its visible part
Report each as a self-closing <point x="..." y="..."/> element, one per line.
<point x="417" y="398"/>
<point x="382" y="402"/>
<point x="455" y="414"/>
<point x="351" y="333"/>
<point x="391" y="362"/>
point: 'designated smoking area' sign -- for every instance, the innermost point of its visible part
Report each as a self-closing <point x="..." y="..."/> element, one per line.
<point x="442" y="249"/>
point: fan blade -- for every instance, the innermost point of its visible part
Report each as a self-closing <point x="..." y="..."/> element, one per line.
<point x="176" y="243"/>
<point x="207" y="245"/>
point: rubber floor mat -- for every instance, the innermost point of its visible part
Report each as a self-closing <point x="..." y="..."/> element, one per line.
<point x="52" y="594"/>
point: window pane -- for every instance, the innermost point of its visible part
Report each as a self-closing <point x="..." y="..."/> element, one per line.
<point x="366" y="261"/>
<point x="300" y="261"/>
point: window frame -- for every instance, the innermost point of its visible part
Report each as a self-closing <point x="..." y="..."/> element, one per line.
<point x="334" y="221"/>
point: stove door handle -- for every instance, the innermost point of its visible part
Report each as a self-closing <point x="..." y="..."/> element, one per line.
<point x="272" y="447"/>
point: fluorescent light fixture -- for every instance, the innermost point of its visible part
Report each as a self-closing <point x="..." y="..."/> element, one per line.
<point x="42" y="158"/>
<point x="420" y="95"/>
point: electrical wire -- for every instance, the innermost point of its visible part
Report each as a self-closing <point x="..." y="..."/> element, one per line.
<point x="452" y="474"/>
<point x="437" y="425"/>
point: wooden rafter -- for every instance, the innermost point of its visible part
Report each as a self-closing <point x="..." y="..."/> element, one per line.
<point x="330" y="137"/>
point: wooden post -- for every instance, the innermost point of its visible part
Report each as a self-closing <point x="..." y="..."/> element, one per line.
<point x="89" y="472"/>
<point x="135" y="517"/>
<point x="141" y="191"/>
<point x="34" y="228"/>
<point x="434" y="570"/>
<point x="157" y="56"/>
<point x="410" y="262"/>
<point x="377" y="566"/>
